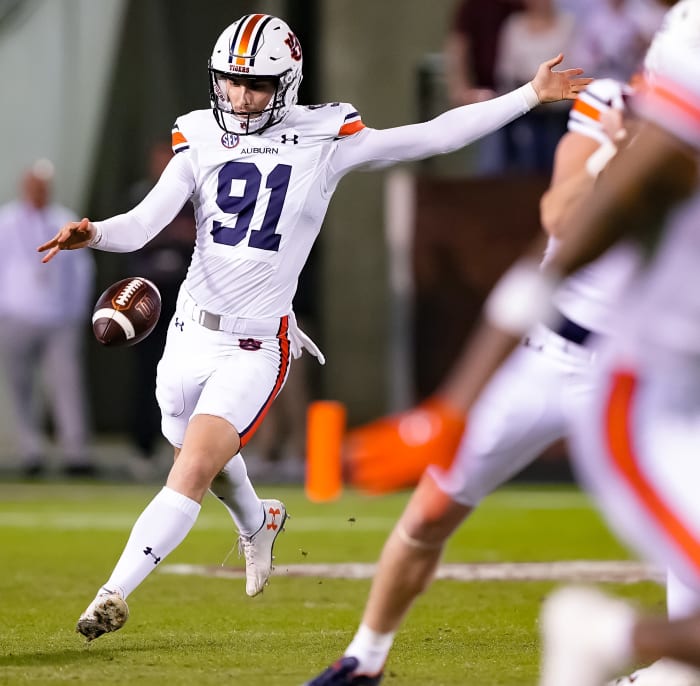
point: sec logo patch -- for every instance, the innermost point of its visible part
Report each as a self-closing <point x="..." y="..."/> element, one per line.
<point x="230" y="140"/>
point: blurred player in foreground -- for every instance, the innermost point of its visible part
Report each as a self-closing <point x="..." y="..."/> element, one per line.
<point x="531" y="400"/>
<point x="636" y="446"/>
<point x="260" y="173"/>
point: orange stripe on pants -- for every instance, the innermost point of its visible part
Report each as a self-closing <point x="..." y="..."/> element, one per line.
<point x="622" y="451"/>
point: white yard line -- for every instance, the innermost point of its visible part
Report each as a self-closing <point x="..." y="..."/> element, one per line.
<point x="569" y="571"/>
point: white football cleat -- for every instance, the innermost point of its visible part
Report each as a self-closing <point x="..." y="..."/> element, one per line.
<point x="257" y="549"/>
<point x="108" y="612"/>
<point x="586" y="637"/>
<point x="661" y="673"/>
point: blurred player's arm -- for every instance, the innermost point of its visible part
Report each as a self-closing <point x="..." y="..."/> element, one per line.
<point x="578" y="161"/>
<point x="641" y="185"/>
<point x="571" y="181"/>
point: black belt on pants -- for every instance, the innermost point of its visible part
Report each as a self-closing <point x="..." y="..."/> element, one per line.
<point x="571" y="331"/>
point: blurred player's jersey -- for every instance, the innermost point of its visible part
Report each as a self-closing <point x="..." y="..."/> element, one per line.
<point x="663" y="312"/>
<point x="601" y="96"/>
<point x="636" y="445"/>
<point x="588" y="296"/>
<point x="663" y="315"/>
<point x="259" y="202"/>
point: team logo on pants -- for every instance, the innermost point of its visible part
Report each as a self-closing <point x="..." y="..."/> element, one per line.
<point x="249" y="344"/>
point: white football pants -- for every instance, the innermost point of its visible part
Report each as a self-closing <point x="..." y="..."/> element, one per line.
<point x="525" y="408"/>
<point x="228" y="375"/>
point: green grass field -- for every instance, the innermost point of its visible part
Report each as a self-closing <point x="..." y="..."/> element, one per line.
<point x="58" y="543"/>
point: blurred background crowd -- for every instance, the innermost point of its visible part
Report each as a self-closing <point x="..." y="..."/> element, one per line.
<point x="406" y="256"/>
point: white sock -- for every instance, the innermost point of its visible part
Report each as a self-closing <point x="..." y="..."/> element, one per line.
<point x="161" y="527"/>
<point x="371" y="649"/>
<point x="236" y="493"/>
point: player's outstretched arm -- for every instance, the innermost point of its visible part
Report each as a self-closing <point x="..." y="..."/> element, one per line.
<point x="71" y="236"/>
<point x="551" y="85"/>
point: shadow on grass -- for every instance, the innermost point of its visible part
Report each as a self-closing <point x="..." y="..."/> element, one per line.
<point x="158" y="650"/>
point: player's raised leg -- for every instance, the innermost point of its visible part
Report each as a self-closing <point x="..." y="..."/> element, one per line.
<point x="258" y="522"/>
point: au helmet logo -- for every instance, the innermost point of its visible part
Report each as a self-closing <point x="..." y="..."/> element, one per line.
<point x="230" y="140"/>
<point x="294" y="46"/>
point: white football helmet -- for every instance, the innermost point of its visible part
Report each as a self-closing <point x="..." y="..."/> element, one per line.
<point x="255" y="46"/>
<point x="680" y="29"/>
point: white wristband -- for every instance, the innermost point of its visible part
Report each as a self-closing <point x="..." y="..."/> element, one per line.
<point x="521" y="298"/>
<point x="530" y="95"/>
<point x="600" y="158"/>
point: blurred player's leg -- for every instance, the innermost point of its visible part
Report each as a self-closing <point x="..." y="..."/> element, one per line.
<point x="586" y="637"/>
<point x="508" y="427"/>
<point x="406" y="567"/>
<point x="644" y="480"/>
<point x="663" y="672"/>
<point x="345" y="672"/>
<point x="682" y="599"/>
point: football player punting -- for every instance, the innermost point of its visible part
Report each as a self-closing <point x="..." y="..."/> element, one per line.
<point x="260" y="171"/>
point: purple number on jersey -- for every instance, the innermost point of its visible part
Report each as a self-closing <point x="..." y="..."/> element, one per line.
<point x="243" y="206"/>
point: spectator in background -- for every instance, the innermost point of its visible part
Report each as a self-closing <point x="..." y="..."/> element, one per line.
<point x="614" y="37"/>
<point x="43" y="318"/>
<point x="164" y="261"/>
<point x="470" y="57"/>
<point x="527" y="37"/>
<point x="579" y="8"/>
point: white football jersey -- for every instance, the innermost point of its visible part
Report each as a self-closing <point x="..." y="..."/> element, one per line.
<point x="588" y="296"/>
<point x="259" y="203"/>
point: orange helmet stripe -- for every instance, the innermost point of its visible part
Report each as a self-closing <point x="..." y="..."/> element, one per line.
<point x="242" y="45"/>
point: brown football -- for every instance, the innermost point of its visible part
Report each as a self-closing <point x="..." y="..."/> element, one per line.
<point x="126" y="312"/>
